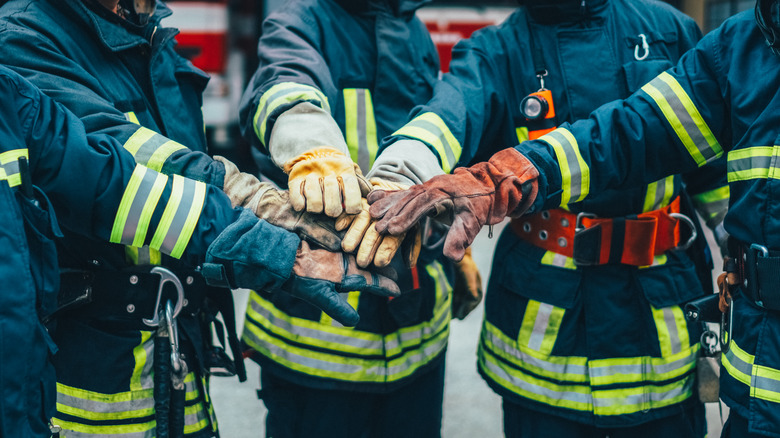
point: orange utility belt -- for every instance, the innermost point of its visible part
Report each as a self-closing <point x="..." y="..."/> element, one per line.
<point x="590" y="240"/>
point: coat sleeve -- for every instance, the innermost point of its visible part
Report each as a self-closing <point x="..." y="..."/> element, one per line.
<point x="676" y="123"/>
<point x="39" y="61"/>
<point x="97" y="190"/>
<point x="465" y="109"/>
<point x="291" y="88"/>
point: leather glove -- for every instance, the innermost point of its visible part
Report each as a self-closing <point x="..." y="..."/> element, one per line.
<point x="370" y="245"/>
<point x="253" y="254"/>
<point x="483" y="194"/>
<point x="325" y="180"/>
<point x="467" y="291"/>
<point x="273" y="205"/>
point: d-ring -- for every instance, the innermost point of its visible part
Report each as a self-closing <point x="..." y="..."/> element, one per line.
<point x="645" y="48"/>
<point x="689" y="222"/>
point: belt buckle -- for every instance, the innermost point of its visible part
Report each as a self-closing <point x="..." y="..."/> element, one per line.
<point x="578" y="229"/>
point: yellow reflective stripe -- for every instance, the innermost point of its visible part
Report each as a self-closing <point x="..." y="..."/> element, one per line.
<point x="639" y="399"/>
<point x="659" y="194"/>
<point x="522" y="133"/>
<point x="575" y="173"/>
<point x="137" y="206"/>
<point x="431" y="129"/>
<point x="757" y="162"/>
<point x="131" y="117"/>
<point x="554" y="259"/>
<point x="643" y="368"/>
<point x="180" y="217"/>
<point x="684" y="118"/>
<point x="672" y="330"/>
<point x="657" y="261"/>
<point x="142" y="353"/>
<point x="576" y="397"/>
<point x="712" y="203"/>
<point x="195" y="418"/>
<point x="9" y="166"/>
<point x="569" y="368"/>
<point x="138" y="139"/>
<point x="150" y="148"/>
<point x="280" y="94"/>
<point x="360" y="127"/>
<point x="541" y="323"/>
<point x="97" y="406"/>
<point x="162" y="153"/>
<point x="141" y="430"/>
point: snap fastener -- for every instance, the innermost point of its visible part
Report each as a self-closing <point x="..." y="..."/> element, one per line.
<point x="133" y="279"/>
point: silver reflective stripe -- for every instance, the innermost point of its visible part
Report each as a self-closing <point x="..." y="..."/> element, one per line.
<point x="551" y="367"/>
<point x="571" y="153"/>
<point x="540" y="326"/>
<point x="318" y="364"/>
<point x="559" y="260"/>
<point x="687" y="122"/>
<point x="437" y="132"/>
<point x="73" y="434"/>
<point x="750" y="163"/>
<point x="180" y="218"/>
<point x="674" y="335"/>
<point x="645" y="369"/>
<point x="572" y="396"/>
<point x="94" y="405"/>
<point x="319" y="335"/>
<point x="147" y="376"/>
<point x="741" y="366"/>
<point x="642" y="399"/>
<point x="149" y="147"/>
<point x="766" y="383"/>
<point x="421" y="356"/>
<point x="424" y="332"/>
<point x="11" y="168"/>
<point x="364" y="158"/>
<point x="137" y="207"/>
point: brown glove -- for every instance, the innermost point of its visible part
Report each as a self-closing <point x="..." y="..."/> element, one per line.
<point x="483" y="194"/>
<point x="273" y="205"/>
<point x="370" y="245"/>
<point x="325" y="180"/>
<point x="467" y="292"/>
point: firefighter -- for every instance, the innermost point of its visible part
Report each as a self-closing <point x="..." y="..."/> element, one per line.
<point x="43" y="173"/>
<point x="579" y="337"/>
<point x="335" y="76"/>
<point x="720" y="100"/>
<point x="113" y="64"/>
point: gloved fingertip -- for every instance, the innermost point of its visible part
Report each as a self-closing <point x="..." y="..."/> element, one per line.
<point x="376" y="195"/>
<point x="347" y="319"/>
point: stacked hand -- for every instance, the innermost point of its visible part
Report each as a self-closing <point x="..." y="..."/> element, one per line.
<point x="373" y="248"/>
<point x="325" y="180"/>
<point x="483" y="194"/>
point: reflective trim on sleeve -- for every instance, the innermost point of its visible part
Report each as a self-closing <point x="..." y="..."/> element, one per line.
<point x="361" y="135"/>
<point x="431" y="129"/>
<point x="138" y="203"/>
<point x="712" y="204"/>
<point x="659" y="194"/>
<point x="575" y="173"/>
<point x="132" y="117"/>
<point x="757" y="162"/>
<point x="9" y="166"/>
<point x="150" y="148"/>
<point x="281" y="94"/>
<point x="180" y="217"/>
<point x="684" y="118"/>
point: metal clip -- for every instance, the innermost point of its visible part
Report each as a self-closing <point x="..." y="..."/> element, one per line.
<point x="645" y="47"/>
<point x="541" y="76"/>
<point x="166" y="276"/>
<point x="725" y="326"/>
<point x="178" y="365"/>
<point x="580" y="216"/>
<point x="694" y="233"/>
<point x="709" y="343"/>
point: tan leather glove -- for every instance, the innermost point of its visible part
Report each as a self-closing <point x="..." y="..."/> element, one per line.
<point x="372" y="247"/>
<point x="467" y="292"/>
<point x="273" y="205"/>
<point x="325" y="180"/>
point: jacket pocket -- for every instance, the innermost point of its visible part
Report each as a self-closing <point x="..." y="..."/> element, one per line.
<point x="520" y="270"/>
<point x="638" y="73"/>
<point x="672" y="283"/>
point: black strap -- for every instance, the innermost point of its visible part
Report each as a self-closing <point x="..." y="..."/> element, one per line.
<point x="223" y="300"/>
<point x="540" y="68"/>
<point x="762" y="277"/>
<point x="162" y="385"/>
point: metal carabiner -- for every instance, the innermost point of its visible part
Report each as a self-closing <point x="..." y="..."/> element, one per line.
<point x="694" y="233"/>
<point x="178" y="365"/>
<point x="645" y="47"/>
<point x="725" y="326"/>
<point x="166" y="276"/>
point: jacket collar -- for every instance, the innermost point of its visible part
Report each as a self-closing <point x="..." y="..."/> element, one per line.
<point x="398" y="8"/>
<point x="564" y="11"/>
<point x="113" y="32"/>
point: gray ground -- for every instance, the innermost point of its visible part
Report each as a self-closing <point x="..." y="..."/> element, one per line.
<point x="471" y="409"/>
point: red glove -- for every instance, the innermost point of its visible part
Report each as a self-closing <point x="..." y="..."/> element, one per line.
<point x="483" y="194"/>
